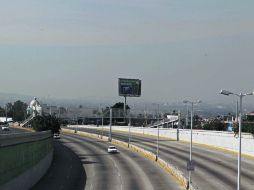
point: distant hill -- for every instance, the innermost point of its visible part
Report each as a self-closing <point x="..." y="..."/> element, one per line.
<point x="204" y="109"/>
<point x="11" y="97"/>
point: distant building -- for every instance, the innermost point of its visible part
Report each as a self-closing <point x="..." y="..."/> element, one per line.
<point x="229" y="121"/>
<point x="3" y="119"/>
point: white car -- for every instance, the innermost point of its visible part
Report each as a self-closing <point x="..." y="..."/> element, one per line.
<point x="5" y="127"/>
<point x="56" y="136"/>
<point x="112" y="149"/>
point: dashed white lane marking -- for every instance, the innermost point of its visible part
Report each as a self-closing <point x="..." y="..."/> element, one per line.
<point x="119" y="174"/>
<point x="93" y="175"/>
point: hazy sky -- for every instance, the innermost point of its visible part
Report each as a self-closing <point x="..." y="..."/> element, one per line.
<point x="78" y="49"/>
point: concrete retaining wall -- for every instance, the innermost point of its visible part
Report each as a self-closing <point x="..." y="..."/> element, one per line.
<point x="219" y="139"/>
<point x="25" y="158"/>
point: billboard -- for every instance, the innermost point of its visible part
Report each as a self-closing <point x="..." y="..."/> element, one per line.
<point x="129" y="87"/>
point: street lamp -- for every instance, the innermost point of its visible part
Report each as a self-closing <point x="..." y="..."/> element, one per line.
<point x="241" y="95"/>
<point x="103" y="113"/>
<point x="102" y="122"/>
<point x="129" y="141"/>
<point x="178" y="126"/>
<point x="6" y="113"/>
<point x="157" y="112"/>
<point x="110" y="126"/>
<point x="192" y="103"/>
<point x="187" y="117"/>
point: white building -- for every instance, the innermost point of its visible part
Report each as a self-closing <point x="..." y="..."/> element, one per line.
<point x="4" y="119"/>
<point x="34" y="108"/>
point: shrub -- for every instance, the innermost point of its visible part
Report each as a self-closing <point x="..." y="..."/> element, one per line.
<point x="248" y="127"/>
<point x="214" y="125"/>
<point x="44" y="123"/>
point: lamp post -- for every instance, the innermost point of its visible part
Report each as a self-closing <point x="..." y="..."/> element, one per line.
<point x="102" y="122"/>
<point x="156" y="111"/>
<point x="129" y="140"/>
<point x="110" y="126"/>
<point x="187" y="117"/>
<point x="241" y="95"/>
<point x="190" y="161"/>
<point x="6" y="113"/>
<point x="103" y="112"/>
<point x="178" y="126"/>
<point x="158" y="142"/>
<point x="144" y="124"/>
<point x="236" y="115"/>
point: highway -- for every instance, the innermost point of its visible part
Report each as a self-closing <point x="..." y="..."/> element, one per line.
<point x="215" y="169"/>
<point x="12" y="130"/>
<point x="84" y="163"/>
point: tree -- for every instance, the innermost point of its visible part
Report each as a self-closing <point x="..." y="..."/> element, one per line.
<point x="2" y="112"/>
<point x="216" y="125"/>
<point x="174" y="112"/>
<point x="106" y="111"/>
<point x="197" y="121"/>
<point x="118" y="112"/>
<point x="44" y="123"/>
<point x="120" y="105"/>
<point x="9" y="109"/>
<point x="62" y="110"/>
<point x="38" y="123"/>
<point x="19" y="110"/>
<point x="95" y="112"/>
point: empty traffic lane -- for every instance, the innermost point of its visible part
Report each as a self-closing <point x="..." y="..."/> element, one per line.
<point x="215" y="169"/>
<point x="124" y="171"/>
<point x="66" y="171"/>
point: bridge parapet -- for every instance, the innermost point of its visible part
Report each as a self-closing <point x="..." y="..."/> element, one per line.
<point x="25" y="158"/>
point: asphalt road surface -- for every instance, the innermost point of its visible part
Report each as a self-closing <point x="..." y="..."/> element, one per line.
<point x="12" y="130"/>
<point x="215" y="169"/>
<point x="66" y="171"/>
<point x="84" y="163"/>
